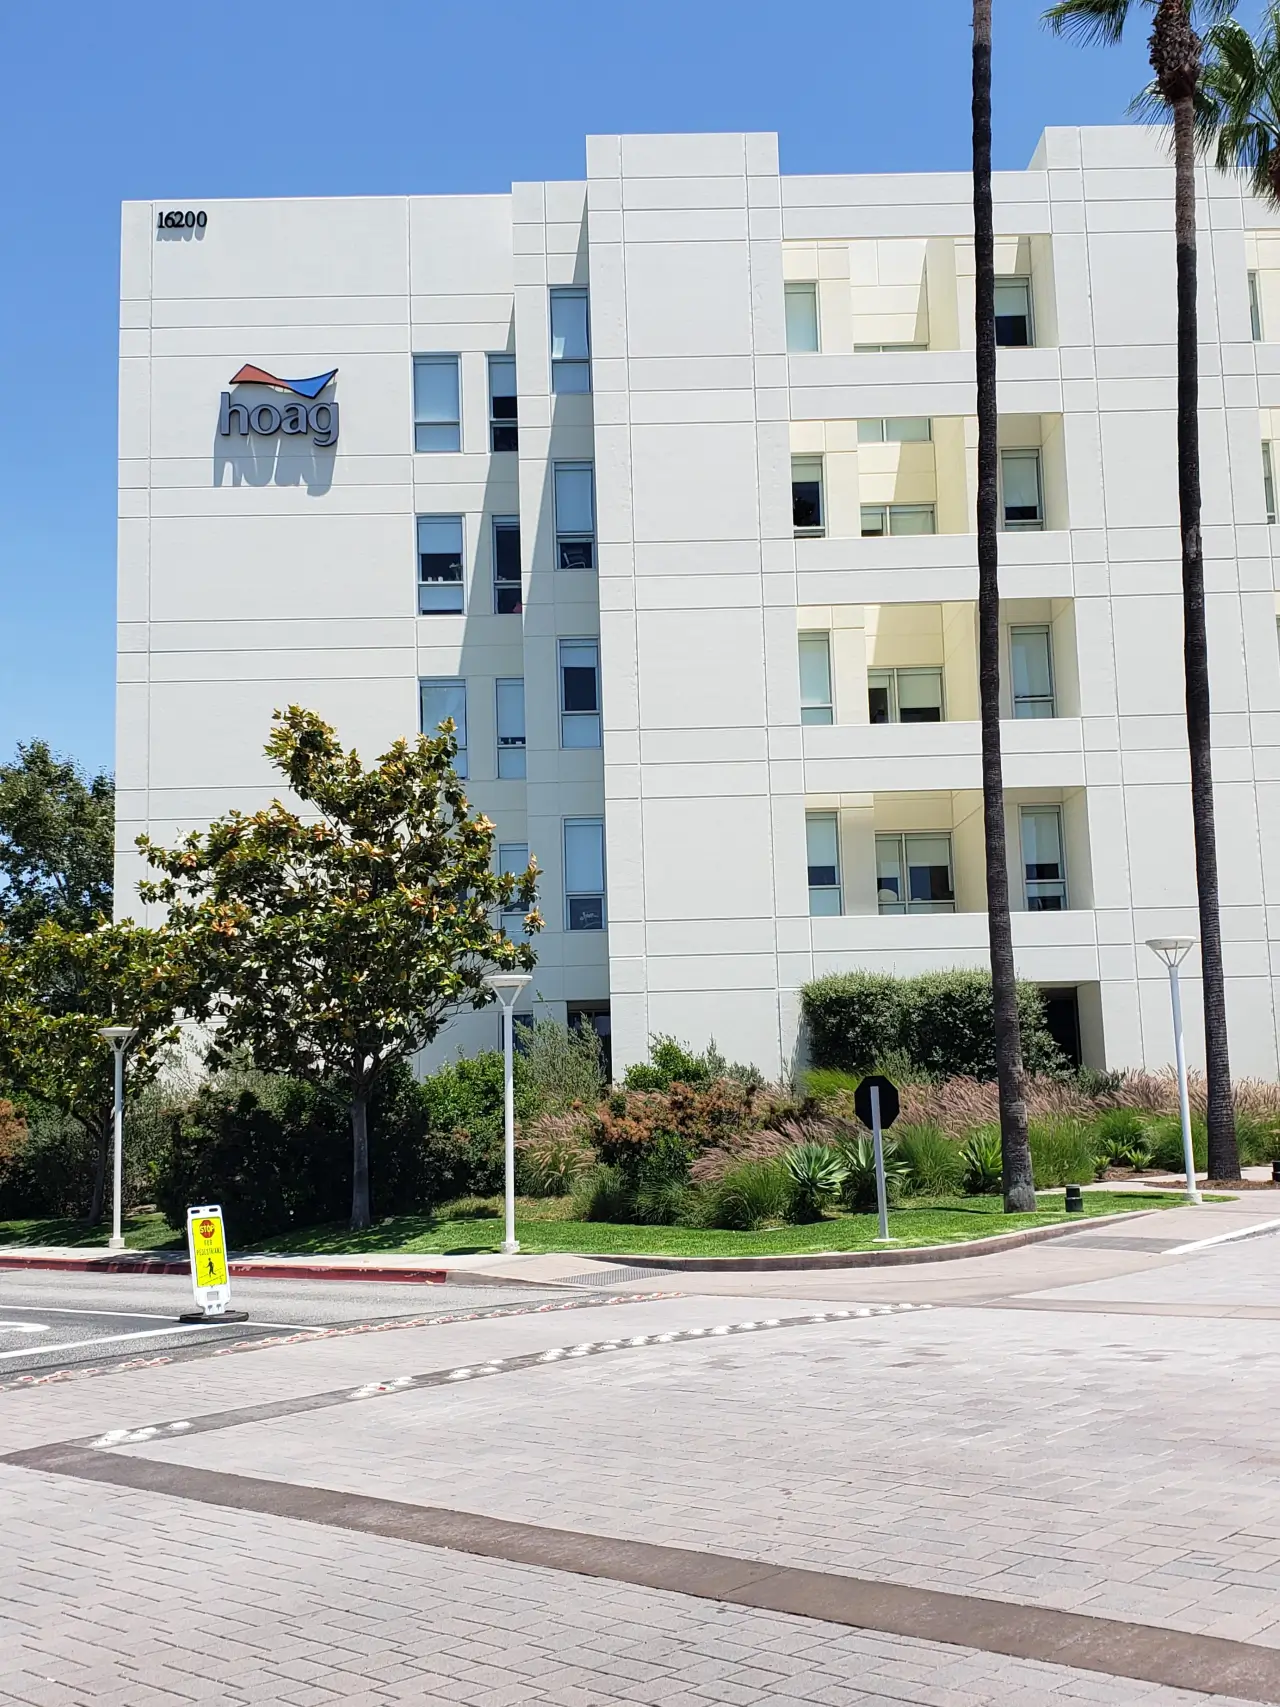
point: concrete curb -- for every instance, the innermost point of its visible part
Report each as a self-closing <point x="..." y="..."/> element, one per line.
<point x="883" y="1259"/>
<point x="244" y="1270"/>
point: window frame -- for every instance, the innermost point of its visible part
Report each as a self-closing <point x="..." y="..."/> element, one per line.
<point x="1015" y="698"/>
<point x="817" y="890"/>
<point x="885" y="437"/>
<point x="1045" y="810"/>
<point x="569" y="537"/>
<point x="425" y="682"/>
<point x="1025" y="453"/>
<point x="813" y="635"/>
<point x="566" y="366"/>
<point x="906" y="905"/>
<point x="437" y="358"/>
<point x="459" y="581"/>
<point x="818" y="529"/>
<point x="587" y="721"/>
<point x="512" y="747"/>
<point x="505" y="852"/>
<point x="894" y="672"/>
<point x="570" y="895"/>
<point x="1269" y="482"/>
<point x="504" y="425"/>
<point x="889" y="511"/>
<point x="1023" y="279"/>
<point x="497" y="525"/>
<point x="1255" y="306"/>
<point x="793" y="289"/>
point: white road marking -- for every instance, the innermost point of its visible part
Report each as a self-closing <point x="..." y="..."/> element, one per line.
<point x="23" y="1328"/>
<point x="146" y="1334"/>
<point x="1224" y="1238"/>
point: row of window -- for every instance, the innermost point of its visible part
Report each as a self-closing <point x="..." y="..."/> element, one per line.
<point x="583" y="845"/>
<point x="437" y="389"/>
<point x="441" y="547"/>
<point x="915" y="872"/>
<point x="445" y="697"/>
<point x="915" y="695"/>
<point x="1021" y="489"/>
<point x="1014" y="326"/>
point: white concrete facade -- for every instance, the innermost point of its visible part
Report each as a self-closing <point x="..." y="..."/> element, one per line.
<point x="263" y="568"/>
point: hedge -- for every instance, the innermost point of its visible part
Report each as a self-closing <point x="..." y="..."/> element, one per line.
<point x="940" y="1021"/>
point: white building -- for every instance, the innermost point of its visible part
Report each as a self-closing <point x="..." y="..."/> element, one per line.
<point x="712" y="622"/>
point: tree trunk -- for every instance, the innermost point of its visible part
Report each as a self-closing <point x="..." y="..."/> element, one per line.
<point x="98" y="1200"/>
<point x="1015" y="1154"/>
<point x="1224" y="1161"/>
<point x="360" y="1162"/>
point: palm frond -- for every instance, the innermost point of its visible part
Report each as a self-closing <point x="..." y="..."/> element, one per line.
<point x="1089" y="21"/>
<point x="1241" y="100"/>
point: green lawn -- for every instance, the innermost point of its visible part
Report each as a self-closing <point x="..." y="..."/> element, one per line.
<point x="474" y="1225"/>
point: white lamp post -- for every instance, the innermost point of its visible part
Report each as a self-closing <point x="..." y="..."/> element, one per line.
<point x="119" y="1037"/>
<point x="507" y="987"/>
<point x="1173" y="950"/>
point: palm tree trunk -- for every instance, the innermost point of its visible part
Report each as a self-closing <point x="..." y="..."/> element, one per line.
<point x="360" y="1161"/>
<point x="1224" y="1161"/>
<point x="1019" y="1186"/>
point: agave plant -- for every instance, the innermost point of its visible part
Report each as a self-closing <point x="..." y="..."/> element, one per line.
<point x="816" y="1172"/>
<point x="859" y="1158"/>
<point x="982" y="1162"/>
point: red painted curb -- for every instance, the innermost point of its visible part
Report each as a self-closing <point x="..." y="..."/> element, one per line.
<point x="246" y="1270"/>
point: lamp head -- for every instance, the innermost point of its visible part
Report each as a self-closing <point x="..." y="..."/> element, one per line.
<point x="1171" y="949"/>
<point x="117" y="1034"/>
<point x="507" y="985"/>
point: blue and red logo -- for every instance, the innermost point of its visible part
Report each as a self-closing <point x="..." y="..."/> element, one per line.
<point x="292" y="419"/>
<point x="250" y="375"/>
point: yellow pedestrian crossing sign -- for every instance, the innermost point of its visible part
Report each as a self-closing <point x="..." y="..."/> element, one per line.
<point x="207" y="1245"/>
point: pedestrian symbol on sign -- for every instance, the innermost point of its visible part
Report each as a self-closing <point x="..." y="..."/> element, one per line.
<point x="210" y="1278"/>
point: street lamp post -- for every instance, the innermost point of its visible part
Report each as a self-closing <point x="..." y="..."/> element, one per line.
<point x="119" y="1037"/>
<point x="1173" y="950"/>
<point x="507" y="987"/>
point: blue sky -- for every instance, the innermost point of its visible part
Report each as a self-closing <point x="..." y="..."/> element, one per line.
<point x="141" y="99"/>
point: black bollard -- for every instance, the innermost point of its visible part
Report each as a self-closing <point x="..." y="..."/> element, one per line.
<point x="1075" y="1200"/>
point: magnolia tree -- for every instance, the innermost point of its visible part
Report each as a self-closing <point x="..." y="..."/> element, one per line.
<point x="334" y="941"/>
<point x="57" y="990"/>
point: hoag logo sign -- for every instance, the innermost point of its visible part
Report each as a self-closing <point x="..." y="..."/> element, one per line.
<point x="320" y="419"/>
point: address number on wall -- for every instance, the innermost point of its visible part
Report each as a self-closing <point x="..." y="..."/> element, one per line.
<point x="176" y="220"/>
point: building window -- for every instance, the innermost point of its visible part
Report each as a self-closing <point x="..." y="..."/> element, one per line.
<point x="503" y="431"/>
<point x="914" y="874"/>
<point x="904" y="696"/>
<point x="1031" y="666"/>
<point x="437" y="423"/>
<point x="895" y="430"/>
<point x="1043" y="866"/>
<point x="594" y="1017"/>
<point x="513" y="861"/>
<point x="1013" y="313"/>
<point x="439" y="565"/>
<point x="1268" y="480"/>
<point x="802" y="318"/>
<point x="1022" y="504"/>
<point x="886" y="349"/>
<point x="815" y="679"/>
<point x="881" y="519"/>
<point x="441" y="699"/>
<point x="579" y="693"/>
<point x="584" y="874"/>
<point x="570" y="342"/>
<point x="1255" y="309"/>
<point x="575" y="516"/>
<point x="822" y="843"/>
<point x="507" y="589"/>
<point x="509" y="693"/>
<point x="806" y="494"/>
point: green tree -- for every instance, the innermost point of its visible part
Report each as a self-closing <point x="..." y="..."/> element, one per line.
<point x="57" y="990"/>
<point x="56" y="835"/>
<point x="1176" y="57"/>
<point x="333" y="944"/>
<point x="1019" y="1184"/>
<point x="1239" y="108"/>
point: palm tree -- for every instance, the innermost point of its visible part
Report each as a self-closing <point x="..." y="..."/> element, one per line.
<point x="1015" y="1152"/>
<point x="1239" y="108"/>
<point x="1177" y="62"/>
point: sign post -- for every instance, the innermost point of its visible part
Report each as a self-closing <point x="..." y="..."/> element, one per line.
<point x="875" y="1102"/>
<point x="210" y="1276"/>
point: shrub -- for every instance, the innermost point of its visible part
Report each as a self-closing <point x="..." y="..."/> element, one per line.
<point x="672" y="1063"/>
<point x="932" y="1160"/>
<point x="816" y="1172"/>
<point x="1062" y="1152"/>
<point x="859" y="1157"/>
<point x="560" y="1066"/>
<point x="1258" y="1138"/>
<point x="604" y="1194"/>
<point x="1164" y="1135"/>
<point x="939" y="1023"/>
<point x="983" y="1164"/>
<point x="706" y="1116"/>
<point x="553" y="1152"/>
<point x="47" y="1165"/>
<point x="746" y="1197"/>
<point x="463" y="1101"/>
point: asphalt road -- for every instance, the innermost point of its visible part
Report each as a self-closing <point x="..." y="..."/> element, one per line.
<point x="50" y="1320"/>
